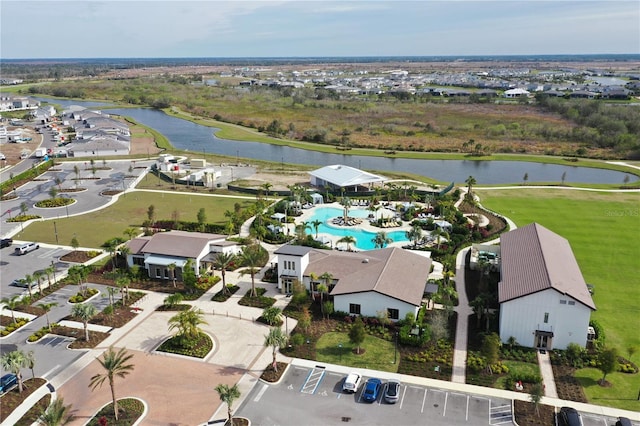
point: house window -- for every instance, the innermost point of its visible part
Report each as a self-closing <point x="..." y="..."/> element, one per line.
<point x="572" y="302"/>
<point x="563" y="302"/>
<point x="354" y="309"/>
<point x="394" y="314"/>
<point x="166" y="274"/>
<point x="546" y="317"/>
<point x="158" y="273"/>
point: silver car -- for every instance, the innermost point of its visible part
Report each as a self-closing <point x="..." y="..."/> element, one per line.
<point x="392" y="391"/>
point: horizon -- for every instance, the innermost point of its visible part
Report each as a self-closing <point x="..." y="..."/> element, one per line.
<point x="316" y="29"/>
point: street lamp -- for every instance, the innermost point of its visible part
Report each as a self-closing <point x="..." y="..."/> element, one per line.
<point x="340" y="351"/>
<point x="54" y="271"/>
<point x="395" y="348"/>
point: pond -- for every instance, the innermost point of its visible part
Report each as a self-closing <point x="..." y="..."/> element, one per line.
<point x="189" y="136"/>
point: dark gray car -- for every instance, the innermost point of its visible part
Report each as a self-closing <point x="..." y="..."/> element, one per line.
<point x="392" y="391"/>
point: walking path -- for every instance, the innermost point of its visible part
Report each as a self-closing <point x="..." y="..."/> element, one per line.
<point x="549" y="383"/>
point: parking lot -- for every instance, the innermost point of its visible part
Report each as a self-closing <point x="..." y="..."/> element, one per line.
<point x="316" y="396"/>
<point x="13" y="266"/>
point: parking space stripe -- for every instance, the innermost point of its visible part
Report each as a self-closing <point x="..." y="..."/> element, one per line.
<point x="313" y="381"/>
<point x="444" y="409"/>
<point x="466" y="416"/>
<point x="424" y="399"/>
<point x="259" y="395"/>
<point x="402" y="399"/>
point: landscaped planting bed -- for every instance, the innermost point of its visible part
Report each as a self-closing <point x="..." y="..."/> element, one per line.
<point x="259" y="301"/>
<point x="199" y="348"/>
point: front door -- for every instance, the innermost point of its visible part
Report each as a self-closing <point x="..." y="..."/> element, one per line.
<point x="287" y="286"/>
<point x="543" y="341"/>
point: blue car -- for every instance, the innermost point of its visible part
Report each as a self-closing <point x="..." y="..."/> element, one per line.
<point x="371" y="390"/>
<point x="7" y="382"/>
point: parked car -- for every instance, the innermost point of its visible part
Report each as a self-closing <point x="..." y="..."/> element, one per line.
<point x="351" y="383"/>
<point x="372" y="390"/>
<point x="26" y="248"/>
<point x="2" y="156"/>
<point x="7" y="382"/>
<point x="20" y="282"/>
<point x="392" y="391"/>
<point x="623" y="421"/>
<point x="569" y="417"/>
<point x="6" y="242"/>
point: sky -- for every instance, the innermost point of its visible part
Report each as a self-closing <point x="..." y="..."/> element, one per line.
<point x="301" y="28"/>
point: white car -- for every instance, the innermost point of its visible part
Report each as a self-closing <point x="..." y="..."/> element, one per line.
<point x="2" y="156"/>
<point x="352" y="383"/>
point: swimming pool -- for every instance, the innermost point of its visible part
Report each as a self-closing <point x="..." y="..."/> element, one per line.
<point x="363" y="238"/>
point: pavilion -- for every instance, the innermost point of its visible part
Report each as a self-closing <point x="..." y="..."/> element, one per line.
<point x="338" y="176"/>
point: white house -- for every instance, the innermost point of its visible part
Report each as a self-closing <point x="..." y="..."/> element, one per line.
<point x="157" y="252"/>
<point x="516" y="93"/>
<point x="362" y="283"/>
<point x="339" y="176"/>
<point x="544" y="300"/>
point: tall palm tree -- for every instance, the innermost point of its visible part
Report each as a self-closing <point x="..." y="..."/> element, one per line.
<point x="346" y="204"/>
<point x="470" y="182"/>
<point x="228" y="394"/>
<point x="414" y="234"/>
<point x="316" y="224"/>
<point x="381" y="239"/>
<point x="37" y="275"/>
<point x="131" y="233"/>
<point x="49" y="271"/>
<point x="224" y="261"/>
<point x="188" y="324"/>
<point x="11" y="303"/>
<point x="374" y="208"/>
<point x="28" y="279"/>
<point x="31" y="362"/>
<point x="84" y="312"/>
<point x="275" y="339"/>
<point x="122" y="281"/>
<point x="46" y="307"/>
<point x="267" y="187"/>
<point x="301" y="230"/>
<point x="250" y="257"/>
<point x="57" y="414"/>
<point x="348" y="240"/>
<point x="172" y="269"/>
<point x="14" y="362"/>
<point x="115" y="365"/>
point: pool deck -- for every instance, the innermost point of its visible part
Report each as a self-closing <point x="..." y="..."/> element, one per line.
<point x="365" y="225"/>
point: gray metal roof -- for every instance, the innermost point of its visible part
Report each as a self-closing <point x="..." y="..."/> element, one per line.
<point x="291" y="250"/>
<point x="535" y="259"/>
<point x="392" y="271"/>
<point x="343" y="176"/>
<point x="180" y="243"/>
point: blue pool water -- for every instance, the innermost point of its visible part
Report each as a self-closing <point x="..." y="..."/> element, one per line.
<point x="363" y="238"/>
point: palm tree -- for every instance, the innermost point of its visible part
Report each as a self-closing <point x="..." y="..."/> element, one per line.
<point x="414" y="234"/>
<point x="11" y="303"/>
<point x="37" y="275"/>
<point x="84" y="312"/>
<point x="131" y="233"/>
<point x="112" y="295"/>
<point x="49" y="271"/>
<point x="187" y="323"/>
<point x="14" y="362"/>
<point x="31" y="362"/>
<point x="46" y="307"/>
<point x="381" y="239"/>
<point x="250" y="258"/>
<point x="316" y="224"/>
<point x="172" y="269"/>
<point x="348" y="239"/>
<point x="228" y="395"/>
<point x="122" y="281"/>
<point x="537" y="392"/>
<point x="374" y="208"/>
<point x="57" y="414"/>
<point x="470" y="182"/>
<point x="173" y="300"/>
<point x="301" y="230"/>
<point x="323" y="288"/>
<point x="276" y="339"/>
<point x="28" y="279"/>
<point x="345" y="202"/>
<point x="267" y="187"/>
<point x="115" y="365"/>
<point x="224" y="261"/>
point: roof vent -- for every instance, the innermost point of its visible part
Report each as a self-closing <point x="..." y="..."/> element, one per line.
<point x="365" y="260"/>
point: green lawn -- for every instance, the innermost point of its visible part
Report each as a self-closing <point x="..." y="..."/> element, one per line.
<point x="623" y="392"/>
<point x="603" y="230"/>
<point x="517" y="367"/>
<point x="130" y="210"/>
<point x="378" y="353"/>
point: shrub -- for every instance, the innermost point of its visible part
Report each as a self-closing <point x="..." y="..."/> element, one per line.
<point x="297" y="339"/>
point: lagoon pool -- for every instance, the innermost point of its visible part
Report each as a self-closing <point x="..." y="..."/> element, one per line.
<point x="363" y="238"/>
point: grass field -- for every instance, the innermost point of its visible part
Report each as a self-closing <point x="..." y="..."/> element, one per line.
<point x="377" y="353"/>
<point x="517" y="367"/>
<point x="623" y="392"/>
<point x="130" y="210"/>
<point x="603" y="230"/>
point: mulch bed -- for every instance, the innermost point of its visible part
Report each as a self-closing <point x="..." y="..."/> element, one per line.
<point x="525" y="414"/>
<point x="270" y="375"/>
<point x="13" y="398"/>
<point x="95" y="337"/>
<point x="567" y="385"/>
<point x="76" y="256"/>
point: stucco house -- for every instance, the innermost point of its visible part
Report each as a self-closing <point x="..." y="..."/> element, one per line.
<point x="156" y="252"/>
<point x="544" y="300"/>
<point x="362" y="283"/>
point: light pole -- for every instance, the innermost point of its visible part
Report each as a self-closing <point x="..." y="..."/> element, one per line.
<point x="54" y="271"/>
<point x="340" y="351"/>
<point x="55" y="231"/>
